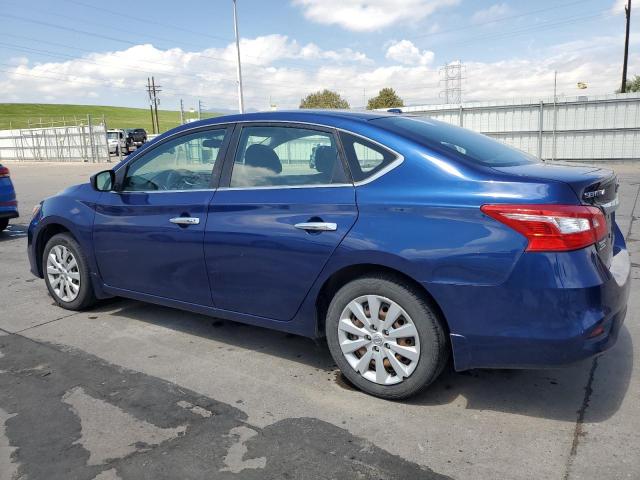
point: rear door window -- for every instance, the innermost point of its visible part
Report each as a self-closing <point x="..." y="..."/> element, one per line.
<point x="281" y="156"/>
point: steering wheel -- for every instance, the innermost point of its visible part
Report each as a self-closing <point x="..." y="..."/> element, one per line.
<point x="180" y="178"/>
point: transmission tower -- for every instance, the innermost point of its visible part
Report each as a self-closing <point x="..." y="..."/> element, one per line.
<point x="451" y="76"/>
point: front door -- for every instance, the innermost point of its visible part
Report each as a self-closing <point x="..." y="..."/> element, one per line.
<point x="286" y="205"/>
<point x="148" y="236"/>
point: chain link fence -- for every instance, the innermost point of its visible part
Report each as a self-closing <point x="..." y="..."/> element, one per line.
<point x="84" y="142"/>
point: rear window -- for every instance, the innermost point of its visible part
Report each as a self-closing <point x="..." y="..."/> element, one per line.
<point x="455" y="141"/>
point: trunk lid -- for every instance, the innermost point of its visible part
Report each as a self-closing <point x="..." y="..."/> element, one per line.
<point x="593" y="186"/>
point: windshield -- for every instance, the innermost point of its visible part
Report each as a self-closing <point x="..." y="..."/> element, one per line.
<point x="112" y="135"/>
<point x="456" y="141"/>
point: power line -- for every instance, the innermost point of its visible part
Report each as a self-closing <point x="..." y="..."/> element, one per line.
<point x="148" y="20"/>
<point x="496" y="20"/>
<point x="132" y="43"/>
<point x="537" y="28"/>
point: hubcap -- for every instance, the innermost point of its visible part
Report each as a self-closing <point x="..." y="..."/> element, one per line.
<point x="379" y="339"/>
<point x="63" y="273"/>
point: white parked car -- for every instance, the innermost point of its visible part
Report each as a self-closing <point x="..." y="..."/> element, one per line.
<point x="118" y="142"/>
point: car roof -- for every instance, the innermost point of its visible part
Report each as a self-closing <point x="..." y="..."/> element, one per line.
<point x="322" y="117"/>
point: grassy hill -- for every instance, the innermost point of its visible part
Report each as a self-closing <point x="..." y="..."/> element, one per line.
<point x="18" y="115"/>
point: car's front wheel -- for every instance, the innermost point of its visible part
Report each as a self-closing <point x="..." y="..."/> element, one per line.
<point x="4" y="223"/>
<point x="385" y="336"/>
<point x="66" y="273"/>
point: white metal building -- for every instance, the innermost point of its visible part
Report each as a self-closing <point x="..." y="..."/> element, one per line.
<point x="596" y="128"/>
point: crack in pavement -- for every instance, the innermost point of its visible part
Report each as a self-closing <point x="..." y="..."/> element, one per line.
<point x="70" y="414"/>
<point x="47" y="322"/>
<point x="578" y="431"/>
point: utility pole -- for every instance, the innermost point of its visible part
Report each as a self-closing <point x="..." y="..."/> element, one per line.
<point x="181" y="112"/>
<point x="627" y="11"/>
<point x="199" y="110"/>
<point x="153" y="90"/>
<point x="235" y="27"/>
<point x="555" y="114"/>
<point x="149" y="91"/>
<point x="156" y="100"/>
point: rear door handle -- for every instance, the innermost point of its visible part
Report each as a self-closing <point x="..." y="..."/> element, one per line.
<point x="185" y="220"/>
<point x="317" y="226"/>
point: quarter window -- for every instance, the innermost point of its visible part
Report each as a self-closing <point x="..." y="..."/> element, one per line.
<point x="365" y="158"/>
<point x="184" y="163"/>
<point x="286" y="156"/>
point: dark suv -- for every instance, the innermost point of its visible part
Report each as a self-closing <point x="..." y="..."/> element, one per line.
<point x="137" y="136"/>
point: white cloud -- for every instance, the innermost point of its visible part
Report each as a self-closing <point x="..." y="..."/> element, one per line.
<point x="278" y="67"/>
<point x="494" y="12"/>
<point x="369" y="15"/>
<point x="407" y="53"/>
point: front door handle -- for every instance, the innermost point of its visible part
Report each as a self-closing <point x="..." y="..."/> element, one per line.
<point x="317" y="226"/>
<point x="185" y="220"/>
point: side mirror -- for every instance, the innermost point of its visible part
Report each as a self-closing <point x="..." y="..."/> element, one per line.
<point x="103" y="181"/>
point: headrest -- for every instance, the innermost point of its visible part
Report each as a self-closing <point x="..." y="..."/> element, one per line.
<point x="326" y="157"/>
<point x="264" y="157"/>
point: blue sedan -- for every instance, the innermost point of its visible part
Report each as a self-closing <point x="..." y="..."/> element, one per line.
<point x="8" y="202"/>
<point x="404" y="243"/>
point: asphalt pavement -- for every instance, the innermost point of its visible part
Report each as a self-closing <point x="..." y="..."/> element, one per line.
<point x="131" y="390"/>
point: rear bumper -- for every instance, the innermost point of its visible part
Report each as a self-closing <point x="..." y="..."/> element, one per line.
<point x="9" y="213"/>
<point x="8" y="204"/>
<point x="555" y="309"/>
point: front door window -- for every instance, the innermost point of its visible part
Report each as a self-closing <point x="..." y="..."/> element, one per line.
<point x="185" y="163"/>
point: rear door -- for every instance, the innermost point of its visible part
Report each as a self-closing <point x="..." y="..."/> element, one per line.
<point x="148" y="235"/>
<point x="276" y="218"/>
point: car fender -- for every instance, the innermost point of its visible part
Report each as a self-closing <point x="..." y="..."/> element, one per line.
<point x="74" y="210"/>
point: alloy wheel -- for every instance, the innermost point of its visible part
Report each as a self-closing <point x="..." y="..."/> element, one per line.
<point x="378" y="339"/>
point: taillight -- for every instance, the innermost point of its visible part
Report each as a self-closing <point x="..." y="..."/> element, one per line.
<point x="552" y="227"/>
<point x="4" y="172"/>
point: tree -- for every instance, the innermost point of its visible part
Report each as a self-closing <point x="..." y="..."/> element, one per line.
<point x="324" y="99"/>
<point x="632" y="85"/>
<point x="387" y="98"/>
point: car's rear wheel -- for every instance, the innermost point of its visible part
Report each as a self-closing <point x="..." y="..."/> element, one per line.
<point x="385" y="336"/>
<point x="66" y="273"/>
<point x="4" y="223"/>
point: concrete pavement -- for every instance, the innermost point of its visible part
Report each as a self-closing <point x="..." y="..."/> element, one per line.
<point x="277" y="407"/>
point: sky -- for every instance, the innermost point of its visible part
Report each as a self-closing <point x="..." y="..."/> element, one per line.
<point x="90" y="52"/>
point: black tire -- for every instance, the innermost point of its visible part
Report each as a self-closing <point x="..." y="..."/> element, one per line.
<point x="434" y="348"/>
<point x="86" y="297"/>
<point x="4" y="223"/>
